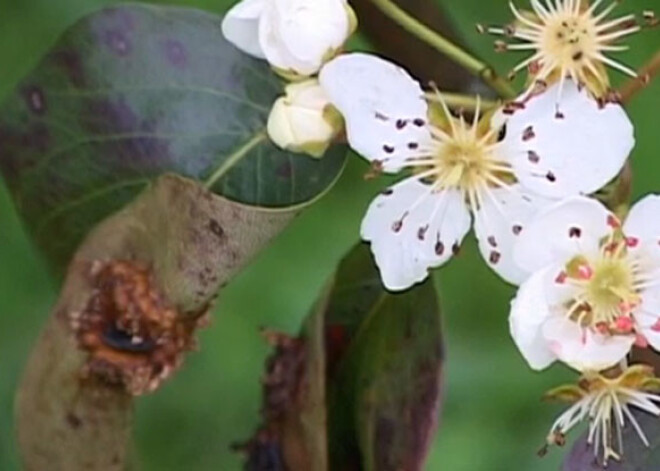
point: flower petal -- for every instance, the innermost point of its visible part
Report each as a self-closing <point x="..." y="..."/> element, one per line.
<point x="643" y="220"/>
<point x="383" y="107"/>
<point x="240" y="26"/>
<point x="647" y="315"/>
<point x="583" y="349"/>
<point x="501" y="217"/>
<point x="529" y="311"/>
<point x="270" y="41"/>
<point x="575" y="149"/>
<point x="310" y="29"/>
<point x="642" y="227"/>
<point x="412" y="229"/>
<point x="565" y="229"/>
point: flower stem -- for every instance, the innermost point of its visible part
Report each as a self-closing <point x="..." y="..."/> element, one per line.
<point x="446" y="47"/>
<point x="646" y="74"/>
<point x="458" y="100"/>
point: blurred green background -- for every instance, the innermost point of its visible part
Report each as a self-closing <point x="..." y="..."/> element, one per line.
<point x="492" y="420"/>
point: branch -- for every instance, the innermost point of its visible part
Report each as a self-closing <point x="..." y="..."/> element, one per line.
<point x="446" y="47"/>
<point x="646" y="74"/>
<point x="135" y="293"/>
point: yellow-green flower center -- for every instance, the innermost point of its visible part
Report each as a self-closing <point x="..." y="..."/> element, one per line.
<point x="569" y="39"/>
<point x="607" y="290"/>
<point x="610" y="285"/>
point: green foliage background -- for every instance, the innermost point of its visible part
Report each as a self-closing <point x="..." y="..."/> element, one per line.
<point x="493" y="419"/>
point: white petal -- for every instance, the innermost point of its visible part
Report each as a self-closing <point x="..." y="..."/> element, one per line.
<point x="500" y="219"/>
<point x="643" y="220"/>
<point x="642" y="227"/>
<point x="565" y="229"/>
<point x="412" y="229"/>
<point x="240" y="26"/>
<point x="529" y="311"/>
<point x="270" y="42"/>
<point x="309" y="29"/>
<point x="583" y="349"/>
<point x="576" y="149"/>
<point x="647" y="316"/>
<point x="383" y="107"/>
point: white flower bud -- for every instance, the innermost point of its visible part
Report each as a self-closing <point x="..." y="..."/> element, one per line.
<point x="303" y="120"/>
<point x="295" y="36"/>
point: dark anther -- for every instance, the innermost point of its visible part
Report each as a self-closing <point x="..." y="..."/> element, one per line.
<point x="528" y="133"/>
<point x="501" y="133"/>
<point x="533" y="157"/>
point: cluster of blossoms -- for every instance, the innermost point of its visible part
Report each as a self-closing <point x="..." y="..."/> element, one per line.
<point x="520" y="173"/>
<point x="296" y="37"/>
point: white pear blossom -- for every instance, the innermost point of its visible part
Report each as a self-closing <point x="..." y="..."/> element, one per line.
<point x="499" y="173"/>
<point x="304" y="120"/>
<point x="607" y="404"/>
<point x="569" y="39"/>
<point x="294" y="36"/>
<point x="595" y="287"/>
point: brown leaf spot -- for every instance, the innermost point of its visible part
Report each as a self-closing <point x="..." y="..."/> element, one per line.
<point x="134" y="338"/>
<point x="215" y="228"/>
<point x="117" y="41"/>
<point x="73" y="420"/>
<point x="175" y="53"/>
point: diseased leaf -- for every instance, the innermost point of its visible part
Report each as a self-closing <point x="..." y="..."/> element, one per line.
<point x="359" y="389"/>
<point x="636" y="455"/>
<point x="384" y="365"/>
<point x="112" y="337"/>
<point x="129" y="93"/>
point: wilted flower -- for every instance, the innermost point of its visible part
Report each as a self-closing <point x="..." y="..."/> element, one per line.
<point x="569" y="38"/>
<point x="499" y="171"/>
<point x="295" y="36"/>
<point x="595" y="288"/>
<point x="304" y="120"/>
<point x="606" y="403"/>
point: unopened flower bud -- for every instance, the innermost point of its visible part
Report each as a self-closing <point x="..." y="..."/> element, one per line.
<point x="303" y="120"/>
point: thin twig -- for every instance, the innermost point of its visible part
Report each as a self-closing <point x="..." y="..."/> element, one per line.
<point x="635" y="85"/>
<point x="443" y="45"/>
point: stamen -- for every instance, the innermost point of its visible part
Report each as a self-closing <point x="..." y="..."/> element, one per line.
<point x="568" y="42"/>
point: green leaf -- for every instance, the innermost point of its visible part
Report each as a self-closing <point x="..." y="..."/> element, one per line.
<point x="130" y="93"/>
<point x="384" y="364"/>
<point x="366" y="392"/>
<point x="636" y="455"/>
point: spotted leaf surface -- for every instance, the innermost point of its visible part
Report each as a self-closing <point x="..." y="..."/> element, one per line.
<point x="130" y="93"/>
<point x="384" y="358"/>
